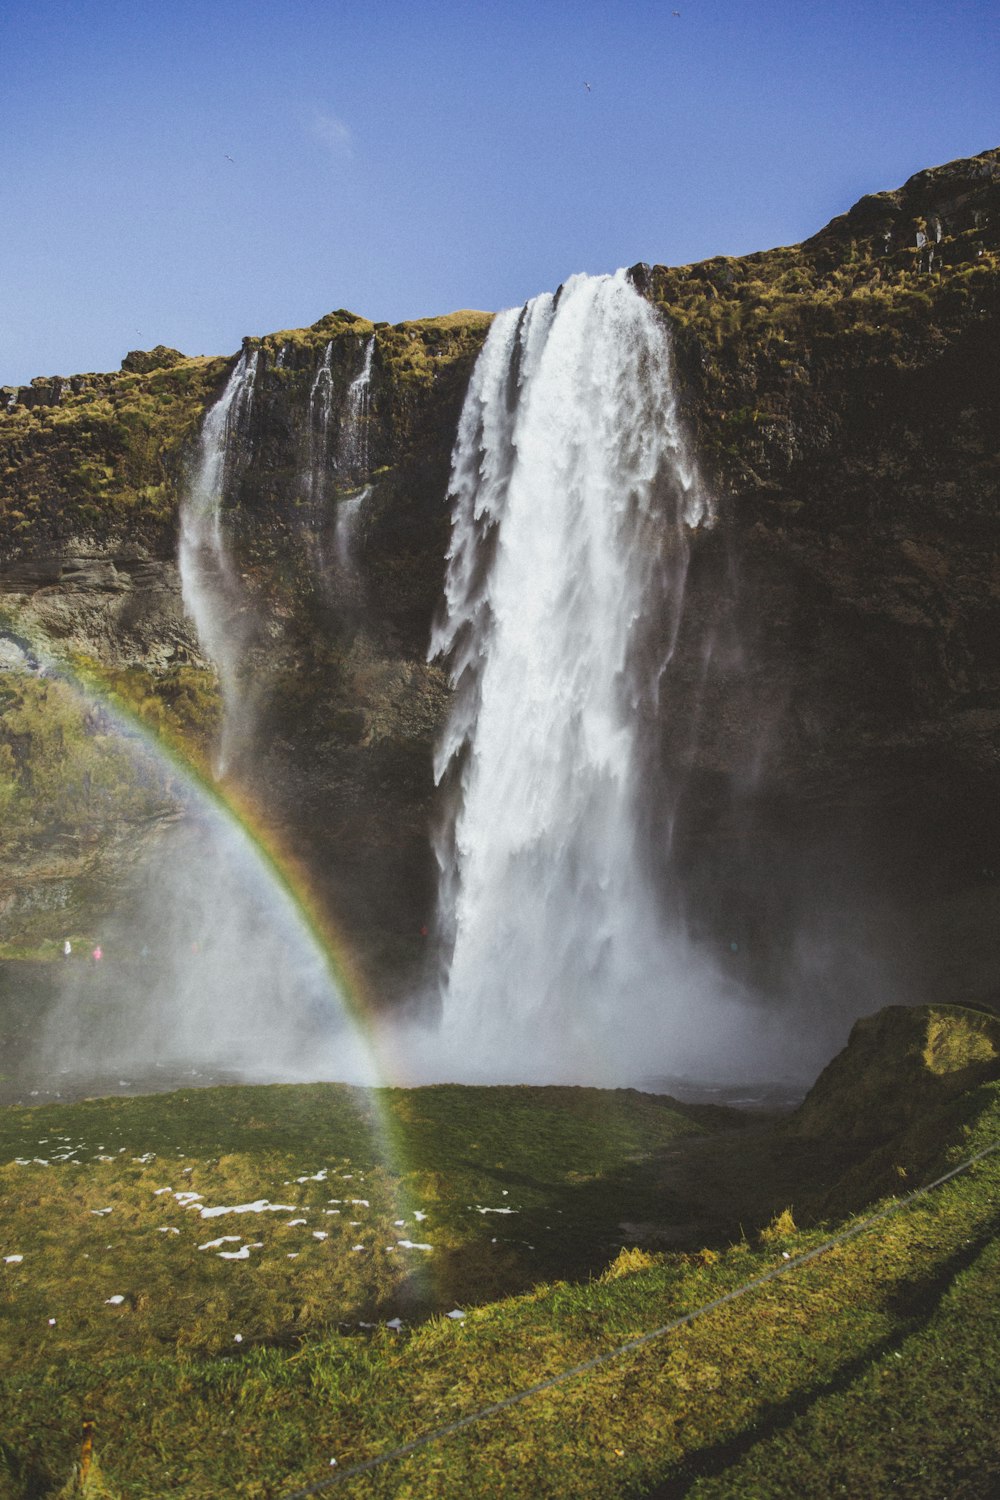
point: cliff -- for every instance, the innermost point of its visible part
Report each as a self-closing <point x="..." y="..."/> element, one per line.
<point x="831" y="712"/>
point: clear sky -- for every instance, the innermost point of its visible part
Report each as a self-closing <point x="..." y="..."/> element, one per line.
<point x="408" y="157"/>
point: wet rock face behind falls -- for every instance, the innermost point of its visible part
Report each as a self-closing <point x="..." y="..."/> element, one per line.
<point x="821" y="803"/>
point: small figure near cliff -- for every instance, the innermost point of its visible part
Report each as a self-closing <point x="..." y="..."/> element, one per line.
<point x="67" y="948"/>
<point x="97" y="955"/>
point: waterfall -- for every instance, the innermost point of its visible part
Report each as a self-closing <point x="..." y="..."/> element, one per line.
<point x="347" y="516"/>
<point x="320" y="408"/>
<point x="574" y="491"/>
<point x="209" y="587"/>
<point x="354" y="441"/>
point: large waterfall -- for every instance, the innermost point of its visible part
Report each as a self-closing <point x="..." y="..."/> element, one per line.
<point x="208" y="585"/>
<point x="574" y="491"/>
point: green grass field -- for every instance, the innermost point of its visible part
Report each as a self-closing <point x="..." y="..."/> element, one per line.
<point x="240" y="1285"/>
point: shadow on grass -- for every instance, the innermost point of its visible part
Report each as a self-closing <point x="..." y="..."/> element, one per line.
<point x="916" y="1304"/>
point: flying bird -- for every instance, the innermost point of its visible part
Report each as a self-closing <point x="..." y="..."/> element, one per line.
<point x="229" y="158"/>
<point x="588" y="88"/>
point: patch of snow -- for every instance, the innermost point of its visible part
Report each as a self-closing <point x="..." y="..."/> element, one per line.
<point x="12" y="1260"/>
<point x="259" y="1206"/>
<point x="114" y="1301"/>
<point x="411" y="1245"/>
<point x="396" y="1323"/>
<point x="320" y="1234"/>
<point x="481" y="1210"/>
<point x="292" y="1223"/>
<point x="357" y="1247"/>
<point x="222" y="1240"/>
<point x="102" y="1211"/>
<point x="456" y="1312"/>
<point x="419" y="1216"/>
<point x="363" y="1201"/>
<point x="243" y="1253"/>
<point x="167" y="1229"/>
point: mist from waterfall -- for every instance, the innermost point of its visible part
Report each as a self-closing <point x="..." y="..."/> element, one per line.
<point x="208" y="973"/>
<point x="209" y="587"/>
<point x="574" y="492"/>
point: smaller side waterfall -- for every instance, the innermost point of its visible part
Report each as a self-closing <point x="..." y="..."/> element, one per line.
<point x="354" y="438"/>
<point x="209" y="587"/>
<point x="320" y="411"/>
<point x="347" y="516"/>
<point x="337" y="458"/>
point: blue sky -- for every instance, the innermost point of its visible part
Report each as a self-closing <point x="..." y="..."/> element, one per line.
<point x="407" y="157"/>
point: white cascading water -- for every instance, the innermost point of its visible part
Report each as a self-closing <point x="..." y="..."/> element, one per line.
<point x="354" y="441"/>
<point x="208" y="585"/>
<point x="320" y="411"/>
<point x="574" y="490"/>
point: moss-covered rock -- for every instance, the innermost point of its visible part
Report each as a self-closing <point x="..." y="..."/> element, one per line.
<point x="898" y="1068"/>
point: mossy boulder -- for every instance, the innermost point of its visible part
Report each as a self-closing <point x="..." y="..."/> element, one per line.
<point x="143" y="361"/>
<point x="899" y="1067"/>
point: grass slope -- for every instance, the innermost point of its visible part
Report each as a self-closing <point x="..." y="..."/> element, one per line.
<point x="872" y="1369"/>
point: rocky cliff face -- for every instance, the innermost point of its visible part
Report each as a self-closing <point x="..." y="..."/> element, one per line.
<point x="832" y="711"/>
<point x="846" y="748"/>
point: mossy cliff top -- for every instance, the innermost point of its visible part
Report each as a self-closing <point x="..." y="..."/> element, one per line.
<point x="939" y="232"/>
<point x="98" y="455"/>
<point x="888" y="283"/>
<point x="102" y="457"/>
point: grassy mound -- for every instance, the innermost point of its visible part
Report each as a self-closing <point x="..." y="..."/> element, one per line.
<point x="223" y="1344"/>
